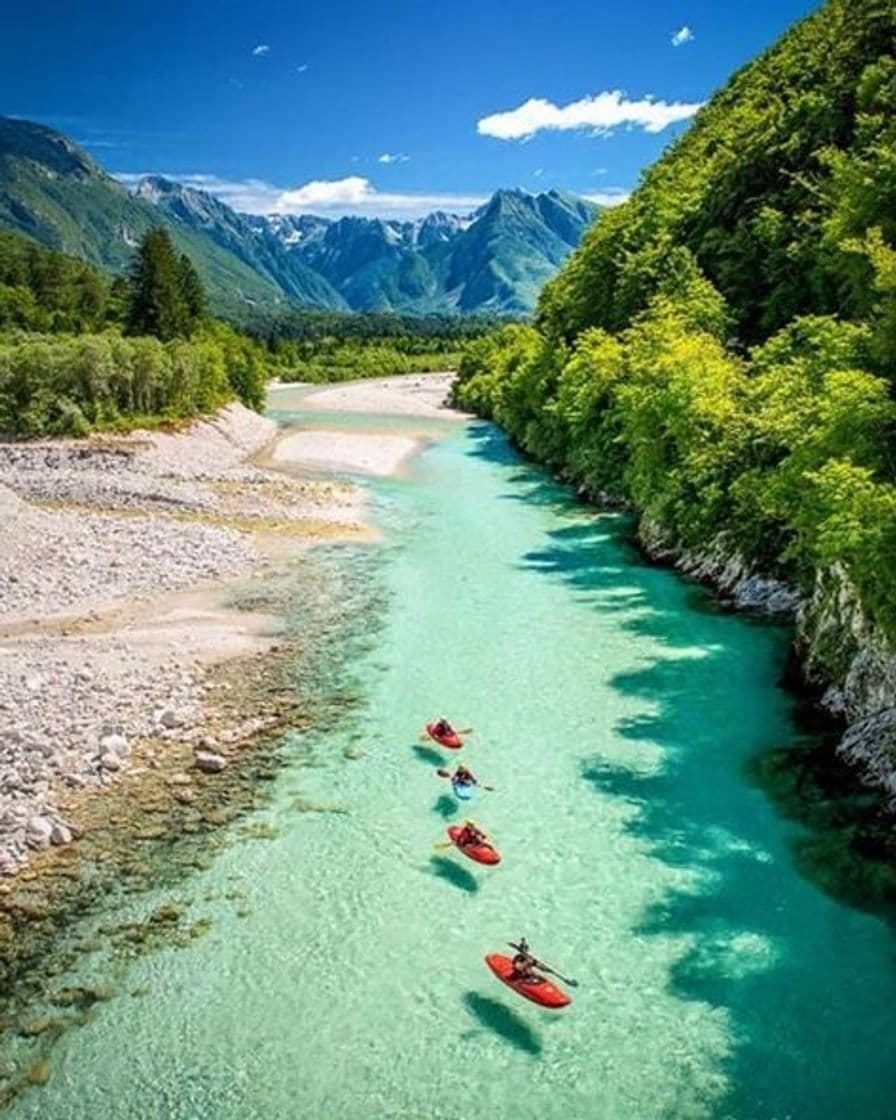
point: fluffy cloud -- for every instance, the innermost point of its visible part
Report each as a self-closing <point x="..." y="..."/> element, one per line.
<point x="301" y="69"/>
<point x="262" y="48"/>
<point x="601" y="113"/>
<point x="682" y="35"/>
<point x="326" y="193"/>
<point x="357" y="195"/>
<point x="392" y="157"/>
<point x="333" y="197"/>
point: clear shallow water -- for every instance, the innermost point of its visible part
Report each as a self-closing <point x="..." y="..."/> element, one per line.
<point x="618" y="715"/>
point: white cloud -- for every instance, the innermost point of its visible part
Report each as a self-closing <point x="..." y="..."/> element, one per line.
<point x="335" y="197"/>
<point x="682" y="35"/>
<point x="392" y="157"/>
<point x="601" y="113"/>
<point x="612" y="196"/>
<point x="301" y="69"/>
<point x="356" y="195"/>
<point x="538" y="172"/>
<point x="262" y="48"/>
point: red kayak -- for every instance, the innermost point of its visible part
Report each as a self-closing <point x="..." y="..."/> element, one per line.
<point x="481" y="853"/>
<point x="453" y="741"/>
<point x="542" y="992"/>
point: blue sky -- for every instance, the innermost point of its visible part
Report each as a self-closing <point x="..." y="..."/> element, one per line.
<point x="394" y="108"/>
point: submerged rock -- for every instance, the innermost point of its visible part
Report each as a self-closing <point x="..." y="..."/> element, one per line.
<point x="35" y="1025"/>
<point x="39" y="1074"/>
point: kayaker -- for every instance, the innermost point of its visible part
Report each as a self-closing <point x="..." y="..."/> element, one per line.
<point x="471" y="835"/>
<point x="443" y="728"/>
<point x="524" y="964"/>
<point x="464" y="777"/>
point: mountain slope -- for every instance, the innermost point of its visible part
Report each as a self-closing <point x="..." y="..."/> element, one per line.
<point x="515" y="245"/>
<point x="375" y="264"/>
<point x="235" y="234"/>
<point x="51" y="190"/>
<point x="494" y="260"/>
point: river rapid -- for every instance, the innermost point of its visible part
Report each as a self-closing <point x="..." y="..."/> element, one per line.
<point x="623" y="720"/>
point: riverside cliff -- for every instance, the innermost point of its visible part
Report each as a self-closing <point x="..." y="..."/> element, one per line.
<point x="845" y="659"/>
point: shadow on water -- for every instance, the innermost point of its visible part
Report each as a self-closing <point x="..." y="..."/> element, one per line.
<point x="446" y="807"/>
<point x="703" y="804"/>
<point x="454" y="874"/>
<point x="507" y="1024"/>
<point x="848" y="845"/>
<point x="428" y="754"/>
<point x="849" y="848"/>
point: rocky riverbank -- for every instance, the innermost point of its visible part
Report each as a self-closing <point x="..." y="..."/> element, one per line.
<point x="124" y="568"/>
<point x="843" y="659"/>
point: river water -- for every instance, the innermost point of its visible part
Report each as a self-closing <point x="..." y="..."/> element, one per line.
<point x="620" y="716"/>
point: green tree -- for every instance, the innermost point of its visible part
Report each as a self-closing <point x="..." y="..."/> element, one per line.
<point x="157" y="304"/>
<point x="192" y="294"/>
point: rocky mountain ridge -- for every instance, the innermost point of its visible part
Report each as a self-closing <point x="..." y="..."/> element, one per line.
<point x="495" y="259"/>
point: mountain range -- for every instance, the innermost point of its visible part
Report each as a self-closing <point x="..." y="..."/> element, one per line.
<point x="495" y="259"/>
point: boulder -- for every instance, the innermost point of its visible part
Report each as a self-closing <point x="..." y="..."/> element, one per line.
<point x="114" y="743"/>
<point x="109" y="760"/>
<point x="168" y="717"/>
<point x="39" y="831"/>
<point x="61" y="834"/>
<point x="210" y="763"/>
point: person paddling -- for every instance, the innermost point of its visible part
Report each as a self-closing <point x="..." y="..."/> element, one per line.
<point x="463" y="776"/>
<point x="524" y="965"/>
<point x="472" y="835"/>
<point x="443" y="728"/>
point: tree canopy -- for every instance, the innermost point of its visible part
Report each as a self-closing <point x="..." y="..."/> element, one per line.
<point x="721" y="349"/>
<point x="166" y="295"/>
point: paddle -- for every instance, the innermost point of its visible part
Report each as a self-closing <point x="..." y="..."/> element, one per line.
<point x="544" y="967"/>
<point x="447" y="774"/>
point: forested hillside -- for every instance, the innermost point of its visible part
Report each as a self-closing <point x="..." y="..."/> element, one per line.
<point x="721" y="350"/>
<point x="80" y="350"/>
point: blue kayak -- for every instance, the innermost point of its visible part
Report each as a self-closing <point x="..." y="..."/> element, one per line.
<point x="463" y="791"/>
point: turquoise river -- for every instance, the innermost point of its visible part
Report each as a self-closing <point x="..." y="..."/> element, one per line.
<point x="621" y="717"/>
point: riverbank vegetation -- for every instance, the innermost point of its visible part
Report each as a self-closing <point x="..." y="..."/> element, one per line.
<point x="721" y="349"/>
<point x="81" y="351"/>
<point x="331" y="346"/>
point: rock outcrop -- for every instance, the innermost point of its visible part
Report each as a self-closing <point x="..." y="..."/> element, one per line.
<point x="843" y="656"/>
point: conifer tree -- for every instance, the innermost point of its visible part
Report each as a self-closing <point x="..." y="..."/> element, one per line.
<point x="157" y="305"/>
<point x="192" y="294"/>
